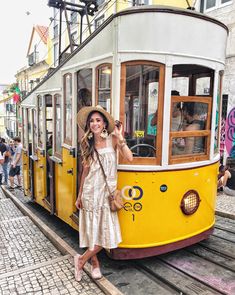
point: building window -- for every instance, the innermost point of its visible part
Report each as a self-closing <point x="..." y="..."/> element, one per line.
<point x="213" y="4"/>
<point x="99" y="21"/>
<point x="56" y="54"/>
<point x="55" y="31"/>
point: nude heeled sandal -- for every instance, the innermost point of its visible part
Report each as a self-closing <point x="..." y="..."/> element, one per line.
<point x="77" y="272"/>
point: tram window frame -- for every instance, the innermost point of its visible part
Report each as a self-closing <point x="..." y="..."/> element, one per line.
<point x="40" y="133"/>
<point x="35" y="131"/>
<point x="56" y="152"/>
<point x="98" y="89"/>
<point x="23" y="129"/>
<point x="154" y="160"/>
<point x="67" y="139"/>
<point x="206" y="133"/>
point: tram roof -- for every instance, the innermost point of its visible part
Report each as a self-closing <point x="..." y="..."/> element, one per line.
<point x="132" y="10"/>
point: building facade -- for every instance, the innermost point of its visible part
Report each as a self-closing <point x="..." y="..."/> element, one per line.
<point x="224" y="11"/>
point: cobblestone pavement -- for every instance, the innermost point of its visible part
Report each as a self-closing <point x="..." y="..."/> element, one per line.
<point x="29" y="262"/>
<point x="225" y="205"/>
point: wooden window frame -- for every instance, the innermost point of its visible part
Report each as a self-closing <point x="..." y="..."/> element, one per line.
<point x="158" y="158"/>
<point x="67" y="140"/>
<point x="97" y="83"/>
<point x="57" y="155"/>
<point x="178" y="159"/>
<point x="40" y="147"/>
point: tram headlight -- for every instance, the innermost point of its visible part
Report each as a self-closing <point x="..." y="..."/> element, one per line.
<point x="190" y="202"/>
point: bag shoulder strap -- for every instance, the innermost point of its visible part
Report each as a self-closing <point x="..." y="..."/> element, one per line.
<point x="102" y="169"/>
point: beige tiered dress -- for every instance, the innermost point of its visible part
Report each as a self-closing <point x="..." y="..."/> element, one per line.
<point x="97" y="224"/>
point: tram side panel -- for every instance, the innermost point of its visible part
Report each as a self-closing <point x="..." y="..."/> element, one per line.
<point x="65" y="187"/>
<point x="152" y="215"/>
<point x="26" y="174"/>
<point x="40" y="178"/>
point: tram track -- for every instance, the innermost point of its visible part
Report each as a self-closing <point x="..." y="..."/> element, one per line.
<point x="205" y="268"/>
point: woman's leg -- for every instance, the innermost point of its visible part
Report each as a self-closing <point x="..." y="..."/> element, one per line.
<point x="95" y="262"/>
<point x="87" y="255"/>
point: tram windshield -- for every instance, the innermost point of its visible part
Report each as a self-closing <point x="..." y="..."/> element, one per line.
<point x="141" y="109"/>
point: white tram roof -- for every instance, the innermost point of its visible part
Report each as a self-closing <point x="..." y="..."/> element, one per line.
<point x="157" y="33"/>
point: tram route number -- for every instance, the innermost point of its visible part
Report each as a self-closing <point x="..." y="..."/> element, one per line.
<point x="132" y="193"/>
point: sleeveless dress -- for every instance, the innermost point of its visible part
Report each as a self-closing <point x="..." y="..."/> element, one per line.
<point x="97" y="224"/>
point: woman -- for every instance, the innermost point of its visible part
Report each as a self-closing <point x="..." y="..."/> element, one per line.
<point x="227" y="181"/>
<point x="98" y="226"/>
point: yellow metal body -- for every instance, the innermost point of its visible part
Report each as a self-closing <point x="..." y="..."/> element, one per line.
<point x="40" y="179"/>
<point x="156" y="218"/>
<point x="26" y="181"/>
<point x="65" y="187"/>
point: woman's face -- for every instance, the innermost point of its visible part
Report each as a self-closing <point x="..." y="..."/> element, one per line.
<point x="97" y="123"/>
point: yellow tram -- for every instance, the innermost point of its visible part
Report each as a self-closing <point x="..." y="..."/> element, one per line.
<point x="152" y="67"/>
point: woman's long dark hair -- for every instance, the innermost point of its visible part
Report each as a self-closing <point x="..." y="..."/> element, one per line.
<point x="88" y="144"/>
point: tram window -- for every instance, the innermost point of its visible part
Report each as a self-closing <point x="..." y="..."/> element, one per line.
<point x="24" y="121"/>
<point x="35" y="131"/>
<point x="104" y="87"/>
<point x="68" y="109"/>
<point x="190" y="79"/>
<point x="58" y="126"/>
<point x="142" y="117"/>
<point x="40" y="121"/>
<point x="190" y="124"/>
<point x="181" y="84"/>
<point x="203" y="86"/>
<point x="84" y="87"/>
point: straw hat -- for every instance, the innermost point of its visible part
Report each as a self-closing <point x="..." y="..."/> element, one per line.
<point x="85" y="111"/>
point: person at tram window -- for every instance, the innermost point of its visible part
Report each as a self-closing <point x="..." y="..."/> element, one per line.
<point x="16" y="164"/>
<point x="98" y="225"/>
<point x="84" y="98"/>
<point x="177" y="118"/>
<point x="194" y="117"/>
<point x="227" y="181"/>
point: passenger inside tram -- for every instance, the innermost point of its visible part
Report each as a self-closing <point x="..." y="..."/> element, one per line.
<point x="194" y="118"/>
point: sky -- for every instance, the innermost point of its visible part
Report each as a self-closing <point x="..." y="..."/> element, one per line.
<point x="17" y="18"/>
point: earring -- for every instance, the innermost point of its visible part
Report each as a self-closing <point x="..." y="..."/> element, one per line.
<point x="104" y="133"/>
<point x="90" y="135"/>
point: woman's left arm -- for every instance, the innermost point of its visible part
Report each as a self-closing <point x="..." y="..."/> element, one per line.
<point x="120" y="143"/>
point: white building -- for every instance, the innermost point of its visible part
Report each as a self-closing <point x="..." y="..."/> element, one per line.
<point x="224" y="11"/>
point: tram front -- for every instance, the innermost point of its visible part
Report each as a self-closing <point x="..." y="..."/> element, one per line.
<point x="169" y="104"/>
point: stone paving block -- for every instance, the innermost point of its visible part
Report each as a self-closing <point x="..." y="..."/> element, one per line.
<point x="8" y="210"/>
<point x="225" y="203"/>
<point x="57" y="279"/>
<point x="2" y="195"/>
<point x="23" y="244"/>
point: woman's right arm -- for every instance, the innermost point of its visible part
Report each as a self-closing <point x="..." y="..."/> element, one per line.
<point x="85" y="171"/>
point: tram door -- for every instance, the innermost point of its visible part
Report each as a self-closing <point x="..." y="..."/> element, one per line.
<point x="49" y="198"/>
<point x="26" y="152"/>
<point x="84" y="90"/>
<point x="40" y="154"/>
<point x="31" y="115"/>
<point x="65" y="166"/>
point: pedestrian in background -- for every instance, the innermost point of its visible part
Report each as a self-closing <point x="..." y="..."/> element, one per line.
<point x="16" y="164"/>
<point x="227" y="181"/>
<point x="98" y="225"/>
<point x="5" y="165"/>
<point x="1" y="170"/>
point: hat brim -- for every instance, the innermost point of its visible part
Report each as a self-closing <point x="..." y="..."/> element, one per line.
<point x="83" y="114"/>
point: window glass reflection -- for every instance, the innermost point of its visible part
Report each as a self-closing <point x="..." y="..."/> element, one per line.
<point x="141" y="104"/>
